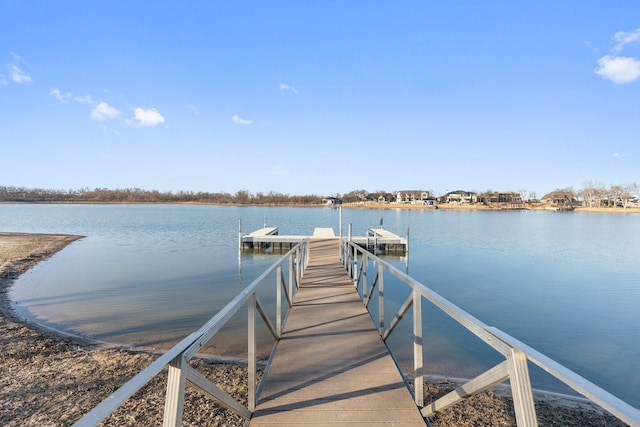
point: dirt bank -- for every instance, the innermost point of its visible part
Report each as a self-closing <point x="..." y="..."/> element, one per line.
<point x="47" y="379"/>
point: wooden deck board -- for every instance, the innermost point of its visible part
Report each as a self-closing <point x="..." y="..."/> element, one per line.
<point x="331" y="366"/>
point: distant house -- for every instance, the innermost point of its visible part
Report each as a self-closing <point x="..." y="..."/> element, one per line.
<point x="412" y="196"/>
<point x="560" y="198"/>
<point x="505" y="197"/>
<point x="459" y="197"/>
<point x="331" y="201"/>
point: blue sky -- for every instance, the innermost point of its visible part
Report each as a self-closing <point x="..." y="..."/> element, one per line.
<point x="319" y="97"/>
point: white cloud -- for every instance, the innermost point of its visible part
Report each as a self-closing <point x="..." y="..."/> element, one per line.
<point x="619" y="69"/>
<point x="19" y="76"/>
<point x="286" y="88"/>
<point x="624" y="38"/>
<point x="62" y="97"/>
<point x="84" y="100"/>
<point x="240" y="121"/>
<point x="16" y="73"/>
<point x="616" y="155"/>
<point x="104" y="111"/>
<point x="148" y="117"/>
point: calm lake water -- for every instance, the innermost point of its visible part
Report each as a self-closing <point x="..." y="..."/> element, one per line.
<point x="567" y="284"/>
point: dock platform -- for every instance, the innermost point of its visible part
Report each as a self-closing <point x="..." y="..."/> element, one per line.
<point x="377" y="239"/>
<point x="331" y="366"/>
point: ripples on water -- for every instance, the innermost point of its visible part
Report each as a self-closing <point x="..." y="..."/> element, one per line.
<point x="564" y="283"/>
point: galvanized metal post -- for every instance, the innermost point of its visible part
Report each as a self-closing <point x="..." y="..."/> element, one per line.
<point x="365" y="259"/>
<point x="406" y="265"/>
<point x="521" y="389"/>
<point x="381" y="298"/>
<point x="279" y="301"/>
<point x="239" y="242"/>
<point x="418" y="381"/>
<point x="340" y="234"/>
<point x="174" y="399"/>
<point x="291" y="272"/>
<point x="251" y="352"/>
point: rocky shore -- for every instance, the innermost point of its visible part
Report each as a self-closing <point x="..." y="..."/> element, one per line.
<point x="48" y="379"/>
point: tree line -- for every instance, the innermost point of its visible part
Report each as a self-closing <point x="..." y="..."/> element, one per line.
<point x="590" y="195"/>
<point x="137" y="195"/>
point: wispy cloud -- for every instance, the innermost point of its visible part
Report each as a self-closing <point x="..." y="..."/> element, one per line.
<point x="62" y="97"/>
<point x="240" y="121"/>
<point x="16" y="73"/>
<point x="84" y="100"/>
<point x="624" y="38"/>
<point x="287" y="88"/>
<point x="616" y="155"/>
<point x="104" y="111"/>
<point x="620" y="69"/>
<point x="19" y="76"/>
<point x="148" y="117"/>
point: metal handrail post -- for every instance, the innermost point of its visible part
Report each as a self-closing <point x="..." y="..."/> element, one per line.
<point x="521" y="389"/>
<point x="251" y="352"/>
<point x="174" y="398"/>
<point x="381" y="298"/>
<point x="418" y="361"/>
<point x="291" y="272"/>
<point x="279" y="285"/>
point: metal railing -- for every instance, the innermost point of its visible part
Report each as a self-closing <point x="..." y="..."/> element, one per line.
<point x="177" y="358"/>
<point x="517" y="355"/>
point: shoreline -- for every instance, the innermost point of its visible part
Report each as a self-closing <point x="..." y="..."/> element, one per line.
<point x="53" y="379"/>
<point x="363" y="205"/>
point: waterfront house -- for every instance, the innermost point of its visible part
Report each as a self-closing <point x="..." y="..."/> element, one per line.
<point x="459" y="197"/>
<point x="412" y="196"/>
<point x="501" y="197"/>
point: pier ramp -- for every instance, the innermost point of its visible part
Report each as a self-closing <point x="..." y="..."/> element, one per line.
<point x="331" y="366"/>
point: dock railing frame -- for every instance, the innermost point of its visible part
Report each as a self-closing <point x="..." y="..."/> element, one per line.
<point x="517" y="354"/>
<point x="177" y="358"/>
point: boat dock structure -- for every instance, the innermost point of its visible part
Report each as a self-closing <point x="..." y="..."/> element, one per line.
<point x="376" y="239"/>
<point x="330" y="364"/>
<point x="331" y="367"/>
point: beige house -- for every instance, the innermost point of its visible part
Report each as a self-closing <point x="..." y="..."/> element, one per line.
<point x="412" y="196"/>
<point x="459" y="197"/>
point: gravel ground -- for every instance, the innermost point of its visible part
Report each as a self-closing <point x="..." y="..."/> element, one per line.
<point x="48" y="379"/>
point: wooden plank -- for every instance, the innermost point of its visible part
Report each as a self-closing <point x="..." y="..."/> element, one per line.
<point x="331" y="367"/>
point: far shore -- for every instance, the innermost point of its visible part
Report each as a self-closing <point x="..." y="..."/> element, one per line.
<point x="367" y="205"/>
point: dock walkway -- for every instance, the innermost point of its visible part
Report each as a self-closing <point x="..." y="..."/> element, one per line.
<point x="331" y="367"/>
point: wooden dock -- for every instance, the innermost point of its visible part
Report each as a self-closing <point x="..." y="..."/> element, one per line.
<point x="331" y="367"/>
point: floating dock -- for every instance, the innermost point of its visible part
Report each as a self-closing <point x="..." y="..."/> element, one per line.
<point x="376" y="240"/>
